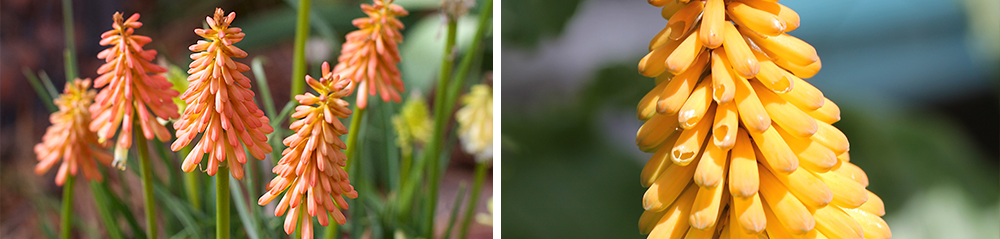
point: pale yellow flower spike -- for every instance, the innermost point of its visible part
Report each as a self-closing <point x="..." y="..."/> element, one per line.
<point x="742" y="146"/>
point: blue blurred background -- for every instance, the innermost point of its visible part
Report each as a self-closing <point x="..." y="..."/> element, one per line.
<point x="916" y="80"/>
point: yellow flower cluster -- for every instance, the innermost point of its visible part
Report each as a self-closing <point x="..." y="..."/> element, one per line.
<point x="69" y="140"/>
<point x="743" y="147"/>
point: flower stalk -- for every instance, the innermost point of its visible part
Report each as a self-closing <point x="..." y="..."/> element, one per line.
<point x="298" y="55"/>
<point x="440" y="121"/>
<point x="67" y="208"/>
<point x="222" y="203"/>
<point x="477" y="187"/>
<point x="147" y="185"/>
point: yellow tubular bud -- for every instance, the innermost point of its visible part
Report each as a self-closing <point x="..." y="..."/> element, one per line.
<point x="795" y="217"/>
<point x="736" y="231"/>
<point x="724" y="129"/>
<point x="712" y="168"/>
<point x="812" y="155"/>
<point x="811" y="191"/>
<point x="674" y="223"/>
<point x="743" y="178"/>
<point x="707" y="206"/>
<point x="648" y="220"/>
<point x="873" y="226"/>
<point x="831" y="137"/>
<point x="667" y="187"/>
<point x="690" y="142"/>
<point x="749" y="212"/>
<point x="738" y="52"/>
<point x="750" y="110"/>
<point x="874" y="204"/>
<point x="684" y="54"/>
<point x="758" y="20"/>
<point x="774" y="151"/>
<point x="829" y="112"/>
<point x="652" y="64"/>
<point x="853" y="172"/>
<point x="803" y="95"/>
<point x="804" y="71"/>
<point x="647" y="106"/>
<point x="697" y="105"/>
<point x="772" y="76"/>
<point x="775" y="230"/>
<point x="846" y="192"/>
<point x="683" y="20"/>
<point x="783" y="46"/>
<point x="845" y="157"/>
<point x="790" y="17"/>
<point x="711" y="23"/>
<point x="661" y="38"/>
<point x="784" y="114"/>
<point x="655" y="131"/>
<point x="671" y="8"/>
<point x="679" y="88"/>
<point x="835" y="223"/>
<point x="657" y="163"/>
<point x="723" y="86"/>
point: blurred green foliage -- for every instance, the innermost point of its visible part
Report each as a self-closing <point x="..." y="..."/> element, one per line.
<point x="535" y="19"/>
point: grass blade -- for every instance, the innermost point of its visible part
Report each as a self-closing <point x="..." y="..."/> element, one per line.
<point x="40" y="90"/>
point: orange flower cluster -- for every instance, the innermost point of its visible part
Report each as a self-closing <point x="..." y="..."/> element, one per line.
<point x="134" y="88"/>
<point x="220" y="102"/>
<point x="370" y="54"/>
<point x="312" y="164"/>
<point x="731" y="111"/>
<point x="69" y="139"/>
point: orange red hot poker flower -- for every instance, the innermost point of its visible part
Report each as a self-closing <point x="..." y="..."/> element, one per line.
<point x="370" y="54"/>
<point x="220" y="103"/>
<point x="743" y="147"/>
<point x="135" y="88"/>
<point x="69" y="140"/>
<point x="310" y="171"/>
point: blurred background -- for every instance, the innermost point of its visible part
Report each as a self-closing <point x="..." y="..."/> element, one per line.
<point x="32" y="39"/>
<point x="916" y="80"/>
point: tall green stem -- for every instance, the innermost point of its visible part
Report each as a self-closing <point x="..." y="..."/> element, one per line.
<point x="477" y="187"/>
<point x="299" y="55"/>
<point x="469" y="58"/>
<point x="222" y="203"/>
<point x="67" y="208"/>
<point x="70" y="53"/>
<point x="101" y="199"/>
<point x="352" y="134"/>
<point x="147" y="183"/>
<point x="440" y="120"/>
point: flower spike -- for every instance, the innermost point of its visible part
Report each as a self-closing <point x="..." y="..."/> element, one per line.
<point x="371" y="53"/>
<point x="311" y="173"/>
<point x="132" y="90"/>
<point x="743" y="146"/>
<point x="69" y="139"/>
<point x="220" y="103"/>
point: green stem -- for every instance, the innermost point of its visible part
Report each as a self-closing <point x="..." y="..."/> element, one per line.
<point x="100" y="198"/>
<point x="299" y="56"/>
<point x="191" y="182"/>
<point x="471" y="56"/>
<point x="222" y="203"/>
<point x="352" y="134"/>
<point x="70" y="52"/>
<point x="67" y="208"/>
<point x="477" y="187"/>
<point x="404" y="168"/>
<point x="147" y="183"/>
<point x="440" y="120"/>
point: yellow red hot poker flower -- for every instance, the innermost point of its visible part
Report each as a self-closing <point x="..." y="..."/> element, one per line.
<point x="69" y="140"/>
<point x="131" y="89"/>
<point x="743" y="147"/>
<point x="310" y="171"/>
<point x="371" y="53"/>
<point x="220" y="103"/>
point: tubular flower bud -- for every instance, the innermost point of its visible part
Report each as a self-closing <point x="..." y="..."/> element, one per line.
<point x="475" y="122"/>
<point x="220" y="103"/>
<point x="69" y="139"/>
<point x="370" y="54"/>
<point x="310" y="171"/>
<point x="744" y="147"/>
<point x="134" y="88"/>
<point x="412" y="124"/>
